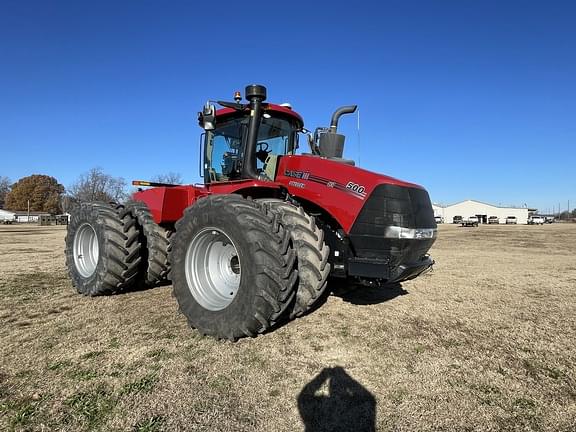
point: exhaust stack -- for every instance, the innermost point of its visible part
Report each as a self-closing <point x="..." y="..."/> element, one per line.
<point x="255" y="94"/>
<point x="331" y="143"/>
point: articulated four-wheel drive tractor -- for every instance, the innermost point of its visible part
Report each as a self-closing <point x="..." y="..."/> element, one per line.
<point x="256" y="244"/>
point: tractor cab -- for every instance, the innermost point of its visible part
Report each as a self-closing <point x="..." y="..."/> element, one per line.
<point x="225" y="145"/>
<point x="244" y="141"/>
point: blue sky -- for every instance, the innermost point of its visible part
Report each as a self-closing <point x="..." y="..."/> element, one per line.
<point x="472" y="99"/>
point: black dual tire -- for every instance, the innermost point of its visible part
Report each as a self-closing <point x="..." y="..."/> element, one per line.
<point x="155" y="242"/>
<point x="114" y="241"/>
<point x="312" y="252"/>
<point x="267" y="261"/>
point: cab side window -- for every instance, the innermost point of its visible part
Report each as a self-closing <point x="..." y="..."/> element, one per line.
<point x="224" y="151"/>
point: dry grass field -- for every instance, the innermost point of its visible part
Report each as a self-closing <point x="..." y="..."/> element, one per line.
<point x="484" y="342"/>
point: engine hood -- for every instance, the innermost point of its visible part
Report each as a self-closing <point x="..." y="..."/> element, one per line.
<point x="339" y="188"/>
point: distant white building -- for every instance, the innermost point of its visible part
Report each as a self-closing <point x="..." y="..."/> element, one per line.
<point x="7" y="215"/>
<point x="24" y="216"/>
<point x="483" y="211"/>
<point x="21" y="216"/>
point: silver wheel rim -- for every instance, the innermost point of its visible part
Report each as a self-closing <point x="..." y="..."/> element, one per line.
<point x="212" y="269"/>
<point x="86" y="250"/>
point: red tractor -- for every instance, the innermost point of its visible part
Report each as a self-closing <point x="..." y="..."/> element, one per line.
<point x="257" y="242"/>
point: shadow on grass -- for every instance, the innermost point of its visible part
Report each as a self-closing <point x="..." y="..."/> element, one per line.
<point x="362" y="295"/>
<point x="351" y="293"/>
<point x="141" y="287"/>
<point x="334" y="401"/>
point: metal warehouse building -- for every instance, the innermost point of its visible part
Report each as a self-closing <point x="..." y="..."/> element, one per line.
<point x="21" y="216"/>
<point x="483" y="211"/>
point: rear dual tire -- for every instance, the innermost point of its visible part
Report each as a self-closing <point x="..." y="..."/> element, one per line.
<point x="155" y="241"/>
<point x="102" y="249"/>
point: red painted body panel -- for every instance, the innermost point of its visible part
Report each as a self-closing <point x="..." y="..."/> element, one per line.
<point x="342" y="203"/>
<point x="238" y="186"/>
<point x="167" y="204"/>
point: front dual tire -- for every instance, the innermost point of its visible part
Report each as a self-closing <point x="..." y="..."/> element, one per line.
<point x="233" y="267"/>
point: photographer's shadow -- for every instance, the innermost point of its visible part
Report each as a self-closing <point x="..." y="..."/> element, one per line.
<point x="360" y="295"/>
<point x="334" y="401"/>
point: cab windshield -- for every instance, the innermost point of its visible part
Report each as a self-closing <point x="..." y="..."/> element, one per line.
<point x="224" y="145"/>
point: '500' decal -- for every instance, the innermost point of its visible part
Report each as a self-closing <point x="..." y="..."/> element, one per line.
<point x="356" y="187"/>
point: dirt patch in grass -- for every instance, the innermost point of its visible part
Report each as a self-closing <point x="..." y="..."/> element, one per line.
<point x="484" y="342"/>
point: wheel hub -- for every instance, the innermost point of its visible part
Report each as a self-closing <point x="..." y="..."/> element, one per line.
<point x="213" y="270"/>
<point x="86" y="250"/>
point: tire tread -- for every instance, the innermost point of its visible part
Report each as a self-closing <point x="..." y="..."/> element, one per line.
<point x="311" y="251"/>
<point x="120" y="249"/>
<point x="155" y="240"/>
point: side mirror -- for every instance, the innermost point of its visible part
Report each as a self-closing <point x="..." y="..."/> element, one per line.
<point x="207" y="118"/>
<point x="311" y="142"/>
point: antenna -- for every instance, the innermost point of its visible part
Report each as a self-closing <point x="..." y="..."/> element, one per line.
<point x="358" y="130"/>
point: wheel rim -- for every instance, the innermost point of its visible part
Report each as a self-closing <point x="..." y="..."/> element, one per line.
<point x="86" y="250"/>
<point x="213" y="269"/>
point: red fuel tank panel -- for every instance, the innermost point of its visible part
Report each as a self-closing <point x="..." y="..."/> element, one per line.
<point x="167" y="204"/>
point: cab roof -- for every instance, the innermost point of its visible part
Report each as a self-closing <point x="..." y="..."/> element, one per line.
<point x="266" y="107"/>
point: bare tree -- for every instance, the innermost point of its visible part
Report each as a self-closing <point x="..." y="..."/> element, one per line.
<point x="95" y="185"/>
<point x="171" y="178"/>
<point x="5" y="185"/>
<point x="67" y="203"/>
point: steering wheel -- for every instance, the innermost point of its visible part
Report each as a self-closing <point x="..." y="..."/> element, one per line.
<point x="262" y="151"/>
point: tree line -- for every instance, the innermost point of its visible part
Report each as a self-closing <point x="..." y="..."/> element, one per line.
<point x="43" y="193"/>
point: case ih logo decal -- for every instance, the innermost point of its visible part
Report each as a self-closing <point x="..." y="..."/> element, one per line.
<point x="297" y="174"/>
<point x="352" y="188"/>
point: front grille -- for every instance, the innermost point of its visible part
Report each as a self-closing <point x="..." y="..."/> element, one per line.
<point x="397" y="206"/>
<point x="391" y="205"/>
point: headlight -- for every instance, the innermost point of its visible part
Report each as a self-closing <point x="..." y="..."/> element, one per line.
<point x="397" y="232"/>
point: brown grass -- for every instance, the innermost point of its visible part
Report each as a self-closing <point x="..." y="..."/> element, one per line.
<point x="485" y="342"/>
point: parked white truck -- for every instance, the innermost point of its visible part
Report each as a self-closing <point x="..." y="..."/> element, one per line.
<point x="472" y="221"/>
<point x="536" y="220"/>
<point x="511" y="220"/>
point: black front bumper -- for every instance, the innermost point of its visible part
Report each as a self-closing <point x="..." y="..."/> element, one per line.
<point x="377" y="255"/>
<point x="380" y="269"/>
